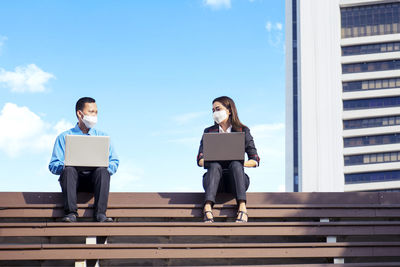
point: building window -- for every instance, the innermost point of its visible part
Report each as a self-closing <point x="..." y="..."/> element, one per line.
<point x="371" y="66"/>
<point x="371" y="140"/>
<point x="371" y="122"/>
<point x="384" y="190"/>
<point x="370" y="49"/>
<point x="372" y="177"/>
<point x="372" y="158"/>
<point x="370" y="20"/>
<point x="371" y="103"/>
<point x="371" y="84"/>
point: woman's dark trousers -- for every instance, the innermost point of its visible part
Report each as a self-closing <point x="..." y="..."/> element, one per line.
<point x="231" y="179"/>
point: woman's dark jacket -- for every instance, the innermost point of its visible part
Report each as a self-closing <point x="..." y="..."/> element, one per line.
<point x="250" y="148"/>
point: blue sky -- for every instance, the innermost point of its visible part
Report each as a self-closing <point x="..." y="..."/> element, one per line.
<point x="154" y="68"/>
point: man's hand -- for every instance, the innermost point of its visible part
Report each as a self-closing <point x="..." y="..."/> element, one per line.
<point x="250" y="163"/>
<point x="201" y="163"/>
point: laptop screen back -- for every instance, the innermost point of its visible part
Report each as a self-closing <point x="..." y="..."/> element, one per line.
<point x="223" y="146"/>
<point x="86" y="151"/>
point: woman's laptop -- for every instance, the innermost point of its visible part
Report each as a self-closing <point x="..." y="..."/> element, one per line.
<point x="86" y="151"/>
<point x="223" y="147"/>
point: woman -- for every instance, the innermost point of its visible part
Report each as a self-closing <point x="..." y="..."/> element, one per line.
<point x="234" y="180"/>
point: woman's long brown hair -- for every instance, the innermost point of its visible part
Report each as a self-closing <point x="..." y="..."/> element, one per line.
<point x="228" y="103"/>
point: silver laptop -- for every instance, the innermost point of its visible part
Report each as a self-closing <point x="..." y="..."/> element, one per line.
<point x="86" y="151"/>
<point x="223" y="147"/>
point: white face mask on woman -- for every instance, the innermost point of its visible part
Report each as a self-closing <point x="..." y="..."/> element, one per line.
<point x="220" y="115"/>
<point x="89" y="121"/>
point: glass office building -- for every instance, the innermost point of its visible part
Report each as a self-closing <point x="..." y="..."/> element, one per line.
<point x="343" y="95"/>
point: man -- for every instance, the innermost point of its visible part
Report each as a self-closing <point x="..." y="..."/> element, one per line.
<point x="73" y="180"/>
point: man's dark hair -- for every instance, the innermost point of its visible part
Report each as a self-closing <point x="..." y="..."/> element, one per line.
<point x="81" y="103"/>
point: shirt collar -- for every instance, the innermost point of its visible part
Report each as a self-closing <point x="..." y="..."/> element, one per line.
<point x="77" y="129"/>
<point x="229" y="130"/>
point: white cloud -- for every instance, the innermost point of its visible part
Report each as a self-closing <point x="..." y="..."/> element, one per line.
<point x="24" y="131"/>
<point x="270" y="143"/>
<point x="269" y="139"/>
<point x="62" y="126"/>
<point x="3" y="39"/>
<point x="267" y="130"/>
<point x="185" y="141"/>
<point x="126" y="177"/>
<point x="271" y="26"/>
<point x="281" y="188"/>
<point x="28" y="78"/>
<point x="218" y="4"/>
<point x="188" y="117"/>
<point x="268" y="26"/>
<point x="275" y="33"/>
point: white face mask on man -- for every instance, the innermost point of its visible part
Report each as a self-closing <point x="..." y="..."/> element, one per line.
<point x="220" y="115"/>
<point x="89" y="121"/>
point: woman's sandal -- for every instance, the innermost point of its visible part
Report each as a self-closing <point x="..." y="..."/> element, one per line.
<point x="240" y="215"/>
<point x="206" y="219"/>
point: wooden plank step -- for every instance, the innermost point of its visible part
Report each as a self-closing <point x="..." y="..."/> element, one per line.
<point x="174" y="251"/>
<point x="367" y="264"/>
<point x="199" y="245"/>
<point x="200" y="224"/>
<point x="201" y="229"/>
<point x="10" y="198"/>
<point x="216" y="206"/>
<point x="38" y="212"/>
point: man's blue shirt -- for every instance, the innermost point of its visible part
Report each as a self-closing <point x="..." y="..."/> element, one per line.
<point x="56" y="164"/>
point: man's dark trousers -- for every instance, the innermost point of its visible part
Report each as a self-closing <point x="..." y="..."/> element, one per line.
<point x="96" y="181"/>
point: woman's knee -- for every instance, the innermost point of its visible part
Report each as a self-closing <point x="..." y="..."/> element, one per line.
<point x="235" y="165"/>
<point x="214" y="166"/>
<point x="247" y="181"/>
<point x="213" y="176"/>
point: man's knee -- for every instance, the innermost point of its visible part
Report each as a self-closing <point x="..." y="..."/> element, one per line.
<point x="101" y="170"/>
<point x="101" y="173"/>
<point x="69" y="170"/>
<point x="69" y="173"/>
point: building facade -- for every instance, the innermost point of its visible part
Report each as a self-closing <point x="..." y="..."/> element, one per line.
<point x="342" y="95"/>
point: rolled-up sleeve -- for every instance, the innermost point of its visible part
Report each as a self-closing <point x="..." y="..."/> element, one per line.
<point x="113" y="161"/>
<point x="56" y="164"/>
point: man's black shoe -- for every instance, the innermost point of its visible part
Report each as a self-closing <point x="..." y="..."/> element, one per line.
<point x="69" y="218"/>
<point x="103" y="218"/>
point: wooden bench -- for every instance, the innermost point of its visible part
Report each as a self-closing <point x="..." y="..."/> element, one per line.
<point x="296" y="229"/>
<point x="264" y="206"/>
